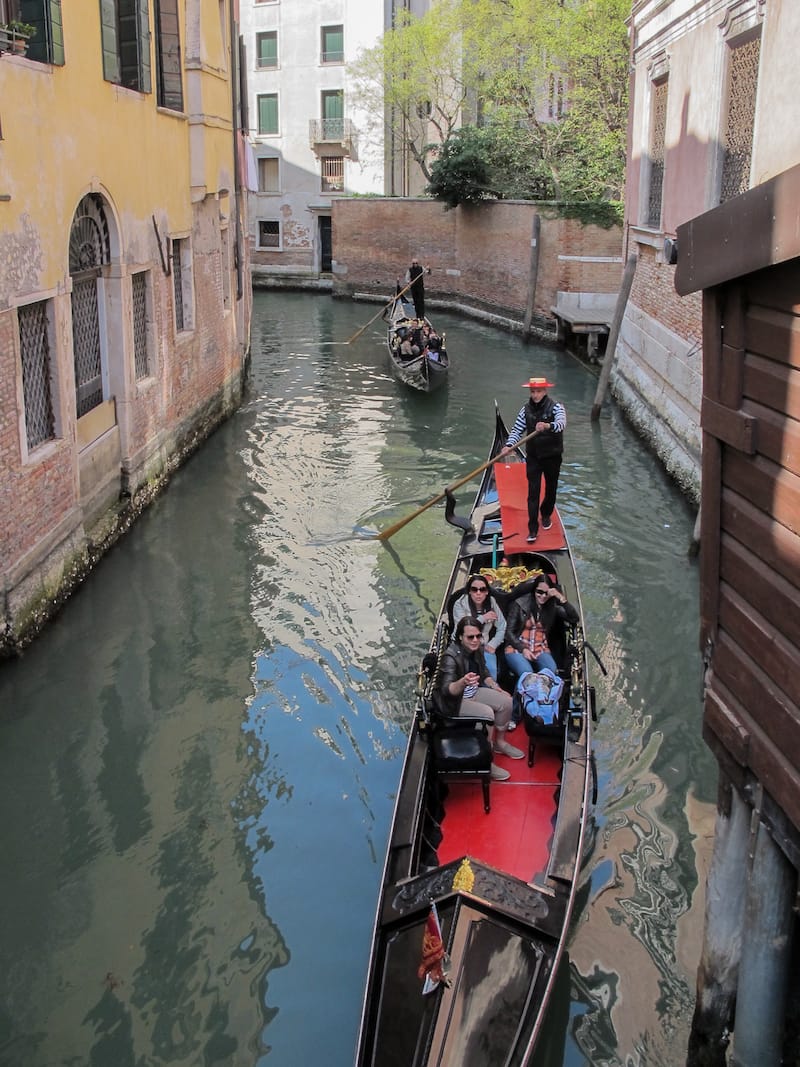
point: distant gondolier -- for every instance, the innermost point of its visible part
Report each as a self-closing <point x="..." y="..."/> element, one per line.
<point x="414" y="278"/>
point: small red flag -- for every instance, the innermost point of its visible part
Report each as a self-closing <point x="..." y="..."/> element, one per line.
<point x="435" y="962"/>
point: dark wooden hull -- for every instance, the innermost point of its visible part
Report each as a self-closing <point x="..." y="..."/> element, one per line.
<point x="423" y="372"/>
<point x="504" y="883"/>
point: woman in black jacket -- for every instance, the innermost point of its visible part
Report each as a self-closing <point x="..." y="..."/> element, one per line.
<point x="467" y="688"/>
<point x="536" y="629"/>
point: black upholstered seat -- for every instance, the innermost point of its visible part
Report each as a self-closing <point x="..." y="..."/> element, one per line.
<point x="460" y="745"/>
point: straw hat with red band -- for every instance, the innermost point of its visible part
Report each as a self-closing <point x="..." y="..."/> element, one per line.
<point x="538" y="383"/>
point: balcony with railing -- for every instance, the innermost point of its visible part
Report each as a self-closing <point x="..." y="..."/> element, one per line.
<point x="323" y="133"/>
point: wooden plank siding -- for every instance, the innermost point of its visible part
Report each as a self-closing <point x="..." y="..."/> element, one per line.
<point x="750" y="522"/>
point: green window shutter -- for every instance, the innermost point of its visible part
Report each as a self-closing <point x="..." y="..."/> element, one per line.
<point x="145" y="80"/>
<point x="333" y="105"/>
<point x="134" y="44"/>
<point x="168" y="53"/>
<point x="268" y="113"/>
<point x="268" y="50"/>
<point x="56" y="33"/>
<point x="332" y="44"/>
<point x="108" y="31"/>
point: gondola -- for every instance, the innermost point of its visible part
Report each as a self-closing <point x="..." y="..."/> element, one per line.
<point x="480" y="875"/>
<point x="427" y="369"/>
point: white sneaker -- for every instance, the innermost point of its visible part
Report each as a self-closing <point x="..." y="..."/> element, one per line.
<point x="503" y="747"/>
<point x="499" y="774"/>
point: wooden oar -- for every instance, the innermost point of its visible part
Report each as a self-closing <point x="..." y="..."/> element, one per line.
<point x="384" y="535"/>
<point x="358" y="333"/>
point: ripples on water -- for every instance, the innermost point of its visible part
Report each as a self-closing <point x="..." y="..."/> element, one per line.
<point x="197" y="795"/>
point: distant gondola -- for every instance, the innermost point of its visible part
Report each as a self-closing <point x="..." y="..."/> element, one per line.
<point x="417" y="353"/>
<point x="482" y="873"/>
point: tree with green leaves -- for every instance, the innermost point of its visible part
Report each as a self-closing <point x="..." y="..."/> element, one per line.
<point x="413" y="80"/>
<point x="543" y="84"/>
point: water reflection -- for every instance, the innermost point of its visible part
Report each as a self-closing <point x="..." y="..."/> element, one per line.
<point x="198" y="760"/>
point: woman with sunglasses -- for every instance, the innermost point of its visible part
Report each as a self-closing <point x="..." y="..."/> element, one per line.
<point x="481" y="605"/>
<point x="536" y="629"/>
<point x="467" y="688"/>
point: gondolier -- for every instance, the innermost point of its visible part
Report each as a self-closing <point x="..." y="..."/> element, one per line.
<point x="548" y="418"/>
<point x="414" y="278"/>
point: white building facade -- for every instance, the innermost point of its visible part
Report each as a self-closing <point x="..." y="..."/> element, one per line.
<point x="308" y="138"/>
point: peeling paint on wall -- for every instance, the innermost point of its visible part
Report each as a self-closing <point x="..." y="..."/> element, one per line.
<point x="294" y="234"/>
<point x="20" y="258"/>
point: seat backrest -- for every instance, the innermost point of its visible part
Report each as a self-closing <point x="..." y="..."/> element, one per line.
<point x="451" y="602"/>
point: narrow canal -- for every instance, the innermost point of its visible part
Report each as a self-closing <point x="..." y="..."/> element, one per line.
<point x="198" y="759"/>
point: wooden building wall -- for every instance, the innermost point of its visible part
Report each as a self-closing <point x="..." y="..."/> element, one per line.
<point x="745" y="258"/>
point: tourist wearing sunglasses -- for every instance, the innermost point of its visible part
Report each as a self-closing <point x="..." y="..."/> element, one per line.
<point x="478" y="602"/>
<point x="536" y="634"/>
<point x="467" y="688"/>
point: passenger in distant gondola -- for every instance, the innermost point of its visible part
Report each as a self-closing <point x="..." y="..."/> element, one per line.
<point x="478" y="602"/>
<point x="414" y="278"/>
<point x="408" y="350"/>
<point x="467" y="687"/>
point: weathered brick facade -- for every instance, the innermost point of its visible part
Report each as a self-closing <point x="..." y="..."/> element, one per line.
<point x="124" y="308"/>
<point x="477" y="255"/>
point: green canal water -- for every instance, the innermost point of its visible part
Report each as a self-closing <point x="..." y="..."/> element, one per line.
<point x="199" y="757"/>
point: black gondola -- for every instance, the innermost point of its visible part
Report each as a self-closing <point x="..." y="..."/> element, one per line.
<point x="489" y="867"/>
<point x="417" y="353"/>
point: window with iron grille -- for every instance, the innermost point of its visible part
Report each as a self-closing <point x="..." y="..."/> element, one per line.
<point x="37" y="385"/>
<point x="658" y="130"/>
<point x="141" y="356"/>
<point x="332" y="44"/>
<point x="267" y="113"/>
<point x="267" y="49"/>
<point x="740" y="119"/>
<point x="269" y="234"/>
<point x="268" y="175"/>
<point x="332" y="174"/>
<point x="182" y="283"/>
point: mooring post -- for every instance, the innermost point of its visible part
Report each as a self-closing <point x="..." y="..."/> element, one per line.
<point x="766" y="945"/>
<point x="722" y="937"/>
<point x="532" y="277"/>
<point x="613" y="334"/>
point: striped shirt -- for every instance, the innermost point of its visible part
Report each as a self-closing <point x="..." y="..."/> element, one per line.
<point x="519" y="429"/>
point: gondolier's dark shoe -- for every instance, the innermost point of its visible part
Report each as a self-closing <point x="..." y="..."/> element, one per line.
<point x="547" y="522"/>
<point x="506" y="749"/>
<point x="531" y="538"/>
<point x="499" y="774"/>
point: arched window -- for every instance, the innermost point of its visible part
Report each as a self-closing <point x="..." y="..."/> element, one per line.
<point x="89" y="252"/>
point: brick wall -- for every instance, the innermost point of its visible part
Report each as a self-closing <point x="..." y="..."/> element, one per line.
<point x="477" y="254"/>
<point x="48" y="534"/>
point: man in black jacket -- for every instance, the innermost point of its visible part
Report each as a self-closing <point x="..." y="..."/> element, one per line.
<point x="548" y="419"/>
<point x="414" y="275"/>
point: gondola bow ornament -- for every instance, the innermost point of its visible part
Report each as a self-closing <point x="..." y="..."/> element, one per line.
<point x="435" y="962"/>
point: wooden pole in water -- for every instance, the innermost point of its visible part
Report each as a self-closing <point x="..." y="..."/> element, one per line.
<point x="613" y="335"/>
<point x="533" y="277"/>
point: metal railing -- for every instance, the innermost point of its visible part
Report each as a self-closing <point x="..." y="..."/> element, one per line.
<point x="331" y="131"/>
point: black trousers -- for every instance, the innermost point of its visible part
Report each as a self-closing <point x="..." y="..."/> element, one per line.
<point x="547" y="467"/>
